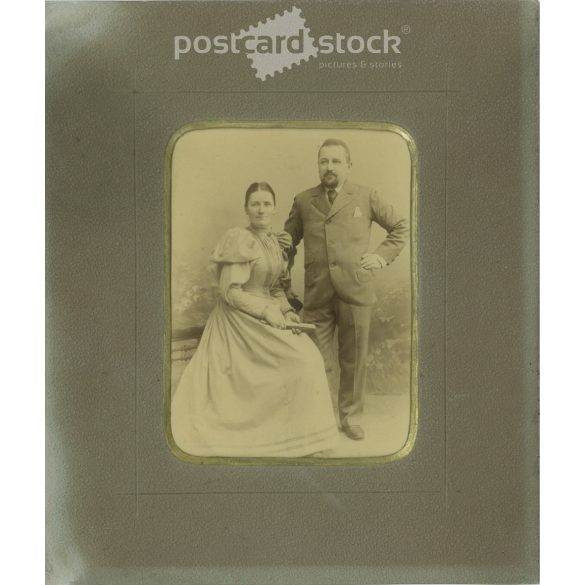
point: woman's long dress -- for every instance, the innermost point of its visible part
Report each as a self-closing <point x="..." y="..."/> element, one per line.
<point x="252" y="390"/>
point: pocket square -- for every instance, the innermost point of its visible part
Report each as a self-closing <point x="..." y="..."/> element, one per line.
<point x="357" y="212"/>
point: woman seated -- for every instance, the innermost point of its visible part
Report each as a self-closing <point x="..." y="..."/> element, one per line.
<point x="256" y="386"/>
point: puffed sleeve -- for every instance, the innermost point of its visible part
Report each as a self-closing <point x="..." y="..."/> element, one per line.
<point x="236" y="245"/>
<point x="285" y="242"/>
<point x="234" y="255"/>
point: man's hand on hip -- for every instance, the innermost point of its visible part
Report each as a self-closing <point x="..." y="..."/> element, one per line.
<point x="372" y="262"/>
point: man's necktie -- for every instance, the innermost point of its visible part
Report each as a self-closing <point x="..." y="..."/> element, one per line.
<point x="331" y="195"/>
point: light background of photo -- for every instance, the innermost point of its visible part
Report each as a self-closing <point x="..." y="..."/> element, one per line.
<point x="212" y="168"/>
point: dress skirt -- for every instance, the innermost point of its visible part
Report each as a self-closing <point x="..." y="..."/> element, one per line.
<point x="252" y="390"/>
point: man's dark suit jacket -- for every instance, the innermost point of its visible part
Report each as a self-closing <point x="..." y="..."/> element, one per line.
<point x="336" y="236"/>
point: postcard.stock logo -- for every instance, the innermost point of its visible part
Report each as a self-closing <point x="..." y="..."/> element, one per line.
<point x="282" y="41"/>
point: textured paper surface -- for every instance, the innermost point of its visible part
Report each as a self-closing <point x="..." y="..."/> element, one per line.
<point x="463" y="506"/>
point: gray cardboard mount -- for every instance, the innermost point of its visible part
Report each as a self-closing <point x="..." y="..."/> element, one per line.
<point x="463" y="505"/>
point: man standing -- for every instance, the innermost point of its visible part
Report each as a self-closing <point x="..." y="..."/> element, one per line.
<point x="335" y="221"/>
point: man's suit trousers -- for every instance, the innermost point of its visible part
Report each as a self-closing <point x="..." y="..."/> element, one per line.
<point x="353" y="325"/>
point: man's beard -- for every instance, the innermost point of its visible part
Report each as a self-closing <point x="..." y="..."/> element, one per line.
<point x="330" y="181"/>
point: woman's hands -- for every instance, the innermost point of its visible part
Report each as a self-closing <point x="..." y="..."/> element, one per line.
<point x="274" y="317"/>
<point x="291" y="318"/>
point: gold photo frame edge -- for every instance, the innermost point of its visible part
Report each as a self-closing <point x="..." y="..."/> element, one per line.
<point x="414" y="390"/>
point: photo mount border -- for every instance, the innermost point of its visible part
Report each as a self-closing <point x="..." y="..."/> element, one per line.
<point x="408" y="446"/>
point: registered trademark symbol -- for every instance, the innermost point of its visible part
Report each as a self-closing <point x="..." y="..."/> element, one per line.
<point x="406" y="28"/>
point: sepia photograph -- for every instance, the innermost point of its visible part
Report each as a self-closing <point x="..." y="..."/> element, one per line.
<point x="292" y="277"/>
<point x="291" y="298"/>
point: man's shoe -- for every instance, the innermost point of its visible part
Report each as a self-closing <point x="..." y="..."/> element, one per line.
<point x="354" y="432"/>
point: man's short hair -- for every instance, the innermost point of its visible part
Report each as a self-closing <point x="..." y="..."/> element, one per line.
<point x="337" y="142"/>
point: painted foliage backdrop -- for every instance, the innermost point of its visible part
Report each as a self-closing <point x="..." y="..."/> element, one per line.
<point x="211" y="170"/>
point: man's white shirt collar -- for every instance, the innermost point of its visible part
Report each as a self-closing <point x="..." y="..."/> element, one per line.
<point x="336" y="189"/>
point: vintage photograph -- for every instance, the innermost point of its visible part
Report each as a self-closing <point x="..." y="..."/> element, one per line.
<point x="291" y="301"/>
